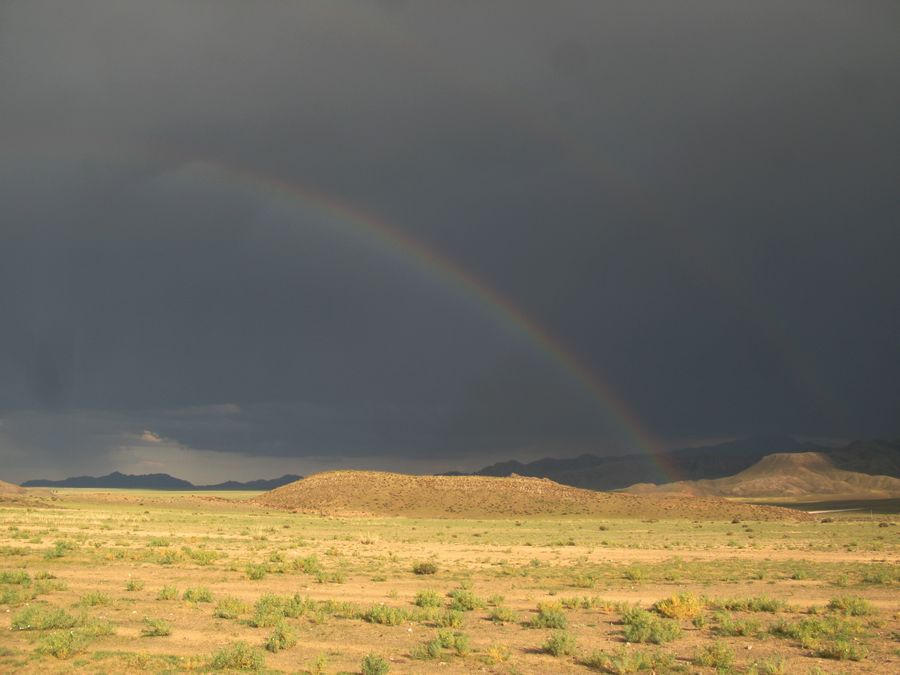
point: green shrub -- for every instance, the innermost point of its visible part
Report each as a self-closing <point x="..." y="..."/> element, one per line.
<point x="156" y="628"/>
<point x="642" y="626"/>
<point x="427" y="651"/>
<point x="461" y="644"/>
<point x="17" y="595"/>
<point x="94" y="628"/>
<point x="237" y="656"/>
<point x="256" y="572"/>
<point x="810" y="632"/>
<point x="281" y="638"/>
<point x="455" y="640"/>
<point x="851" y="605"/>
<point x="879" y="575"/>
<point x="624" y="661"/>
<point x="425" y="568"/>
<point x="230" y="607"/>
<point x="842" y="650"/>
<point x="728" y="626"/>
<point x="307" y="565"/>
<point x="464" y="600"/>
<point x="134" y="585"/>
<point x="549" y="616"/>
<point x="43" y="617"/>
<point x="774" y="665"/>
<point x="634" y="573"/>
<point x="760" y="603"/>
<point x="716" y="655"/>
<point x="63" y="644"/>
<point x="503" y="615"/>
<point x="167" y="593"/>
<point x="60" y="548"/>
<point x="560" y="643"/>
<point x="93" y="599"/>
<point x="386" y="616"/>
<point x="197" y="594"/>
<point x="336" y="577"/>
<point x="201" y="557"/>
<point x="428" y="598"/>
<point x="270" y="609"/>
<point x="374" y="665"/>
<point x="18" y="577"/>
<point x="451" y="619"/>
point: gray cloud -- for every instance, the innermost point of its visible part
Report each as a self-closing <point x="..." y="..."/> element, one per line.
<point x="698" y="199"/>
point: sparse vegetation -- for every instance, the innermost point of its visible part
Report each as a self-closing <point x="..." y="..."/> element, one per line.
<point x="167" y="593"/>
<point x="425" y="568"/>
<point x="198" y="594"/>
<point x="517" y="590"/>
<point x="623" y="661"/>
<point x="283" y="637"/>
<point x="237" y="656"/>
<point x="643" y="626"/>
<point x="156" y="628"/>
<point x="373" y="664"/>
<point x="684" y="606"/>
<point x="230" y="608"/>
<point x="560" y="643"/>
<point x="43" y="617"/>
<point x="63" y="644"/>
<point x="428" y="598"/>
<point x="549" y="615"/>
<point x="464" y="600"/>
<point x="851" y="606"/>
<point x="717" y="655"/>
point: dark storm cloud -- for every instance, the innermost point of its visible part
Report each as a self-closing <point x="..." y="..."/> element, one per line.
<point x="698" y="198"/>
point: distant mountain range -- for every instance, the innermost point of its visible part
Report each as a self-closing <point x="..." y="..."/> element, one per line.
<point x="798" y="475"/>
<point x="708" y="462"/>
<point x="157" y="481"/>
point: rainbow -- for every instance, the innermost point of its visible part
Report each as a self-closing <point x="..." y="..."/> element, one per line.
<point x="432" y="261"/>
<point x="364" y="224"/>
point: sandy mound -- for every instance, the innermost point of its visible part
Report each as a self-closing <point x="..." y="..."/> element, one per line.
<point x="11" y="489"/>
<point x="372" y="493"/>
<point x="795" y="475"/>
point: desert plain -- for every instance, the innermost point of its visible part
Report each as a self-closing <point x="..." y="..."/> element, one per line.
<point x="340" y="579"/>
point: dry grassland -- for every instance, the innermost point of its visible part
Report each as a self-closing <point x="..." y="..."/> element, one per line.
<point x="147" y="581"/>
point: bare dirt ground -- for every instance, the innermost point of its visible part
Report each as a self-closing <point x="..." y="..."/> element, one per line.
<point x="84" y="576"/>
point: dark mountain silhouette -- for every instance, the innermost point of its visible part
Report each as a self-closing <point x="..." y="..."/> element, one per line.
<point x="158" y="481"/>
<point x="879" y="458"/>
<point x="611" y="473"/>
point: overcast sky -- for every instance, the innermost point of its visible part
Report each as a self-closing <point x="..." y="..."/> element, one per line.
<point x="698" y="200"/>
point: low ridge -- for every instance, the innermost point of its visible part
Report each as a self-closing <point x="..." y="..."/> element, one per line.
<point x="373" y="493"/>
<point x="801" y="475"/>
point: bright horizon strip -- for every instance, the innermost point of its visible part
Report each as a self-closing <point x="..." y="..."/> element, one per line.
<point x="431" y="259"/>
